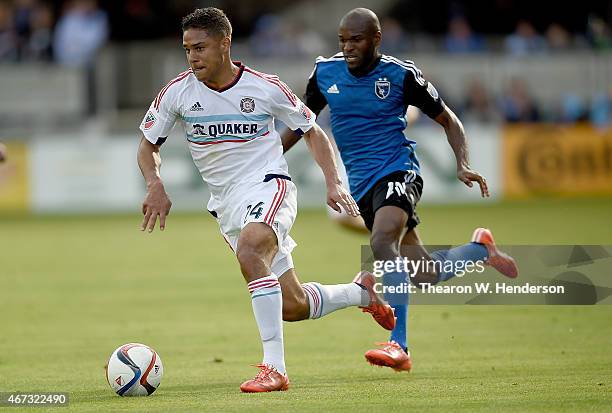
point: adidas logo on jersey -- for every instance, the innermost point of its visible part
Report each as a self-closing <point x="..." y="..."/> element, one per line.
<point x="196" y="107"/>
<point x="333" y="89"/>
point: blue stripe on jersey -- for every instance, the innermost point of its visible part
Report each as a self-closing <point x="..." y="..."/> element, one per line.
<point x="221" y="138"/>
<point x="367" y="120"/>
<point x="217" y="118"/>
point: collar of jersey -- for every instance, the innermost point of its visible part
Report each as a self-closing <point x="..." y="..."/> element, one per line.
<point x="234" y="80"/>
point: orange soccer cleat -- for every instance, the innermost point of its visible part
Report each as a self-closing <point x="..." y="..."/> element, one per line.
<point x="268" y="379"/>
<point x="499" y="260"/>
<point x="391" y="355"/>
<point x="382" y="313"/>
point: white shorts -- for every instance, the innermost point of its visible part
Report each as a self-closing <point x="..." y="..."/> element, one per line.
<point x="274" y="203"/>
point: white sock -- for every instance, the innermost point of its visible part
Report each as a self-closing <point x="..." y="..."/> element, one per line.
<point x="325" y="299"/>
<point x="267" y="301"/>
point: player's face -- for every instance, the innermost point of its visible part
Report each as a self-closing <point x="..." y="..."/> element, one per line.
<point x="358" y="45"/>
<point x="205" y="53"/>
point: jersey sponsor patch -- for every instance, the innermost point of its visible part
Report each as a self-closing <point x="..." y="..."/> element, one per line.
<point x="382" y="87"/>
<point x="242" y="130"/>
<point x="149" y="120"/>
<point x="247" y="105"/>
<point x="305" y="111"/>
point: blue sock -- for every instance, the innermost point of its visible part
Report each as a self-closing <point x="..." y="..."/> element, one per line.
<point x="400" y="332"/>
<point x="468" y="252"/>
<point x="399" y="302"/>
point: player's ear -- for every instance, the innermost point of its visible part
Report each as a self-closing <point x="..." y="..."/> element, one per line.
<point x="226" y="42"/>
<point x="377" y="38"/>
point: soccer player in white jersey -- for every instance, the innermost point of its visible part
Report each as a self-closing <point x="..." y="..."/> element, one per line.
<point x="227" y="111"/>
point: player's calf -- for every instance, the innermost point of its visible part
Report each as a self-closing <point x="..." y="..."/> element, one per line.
<point x="421" y="279"/>
<point x="295" y="308"/>
<point x="295" y="302"/>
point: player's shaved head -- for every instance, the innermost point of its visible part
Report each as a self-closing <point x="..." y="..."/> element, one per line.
<point x="359" y="36"/>
<point x="362" y="19"/>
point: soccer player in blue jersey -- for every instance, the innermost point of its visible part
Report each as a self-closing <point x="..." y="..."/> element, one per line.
<point x="368" y="94"/>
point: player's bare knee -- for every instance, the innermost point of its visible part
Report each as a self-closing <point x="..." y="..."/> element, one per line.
<point x="249" y="258"/>
<point x="384" y="245"/>
<point x="256" y="248"/>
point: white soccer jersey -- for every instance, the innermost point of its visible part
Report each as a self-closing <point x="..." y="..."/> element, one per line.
<point x="230" y="132"/>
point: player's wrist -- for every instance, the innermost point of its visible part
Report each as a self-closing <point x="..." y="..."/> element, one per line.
<point x="334" y="182"/>
<point x="155" y="183"/>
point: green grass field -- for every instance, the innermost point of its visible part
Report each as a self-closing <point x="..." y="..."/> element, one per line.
<point x="72" y="289"/>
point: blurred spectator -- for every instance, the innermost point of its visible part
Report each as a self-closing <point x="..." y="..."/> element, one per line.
<point x="80" y="32"/>
<point x="601" y="109"/>
<point x="558" y="38"/>
<point x="461" y="39"/>
<point x="41" y="35"/>
<point x="517" y="105"/>
<point x="478" y="105"/>
<point x="275" y="36"/>
<point x="307" y="42"/>
<point x="573" y="108"/>
<point x="8" y="36"/>
<point x="22" y="17"/>
<point x="524" y="40"/>
<point x="268" y="38"/>
<point x="394" y="39"/>
<point x="598" y="33"/>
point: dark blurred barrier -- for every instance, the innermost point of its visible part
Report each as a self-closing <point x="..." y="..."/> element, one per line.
<point x="556" y="160"/>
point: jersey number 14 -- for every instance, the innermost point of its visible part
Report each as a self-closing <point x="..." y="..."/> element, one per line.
<point x="254" y="211"/>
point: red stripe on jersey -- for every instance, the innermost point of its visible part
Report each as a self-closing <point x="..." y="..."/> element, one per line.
<point x="161" y="94"/>
<point x="180" y="75"/>
<point x="278" y="191"/>
<point x="227" y="242"/>
<point x="280" y="201"/>
<point x="275" y="81"/>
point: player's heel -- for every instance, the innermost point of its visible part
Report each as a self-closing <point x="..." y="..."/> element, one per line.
<point x="497" y="259"/>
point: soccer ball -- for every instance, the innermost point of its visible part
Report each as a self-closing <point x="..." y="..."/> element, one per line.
<point x="134" y="370"/>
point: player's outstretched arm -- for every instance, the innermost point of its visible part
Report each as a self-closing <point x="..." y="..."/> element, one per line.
<point x="456" y="138"/>
<point x="156" y="202"/>
<point x="321" y="149"/>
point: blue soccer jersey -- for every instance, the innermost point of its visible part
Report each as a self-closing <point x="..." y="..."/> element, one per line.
<point x="368" y="115"/>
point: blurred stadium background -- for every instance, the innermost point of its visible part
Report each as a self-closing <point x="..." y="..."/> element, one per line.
<point x="533" y="86"/>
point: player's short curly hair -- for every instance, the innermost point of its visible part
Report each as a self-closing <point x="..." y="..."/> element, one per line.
<point x="211" y="19"/>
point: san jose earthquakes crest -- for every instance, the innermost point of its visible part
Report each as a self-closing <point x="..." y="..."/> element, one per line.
<point x="382" y="87"/>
